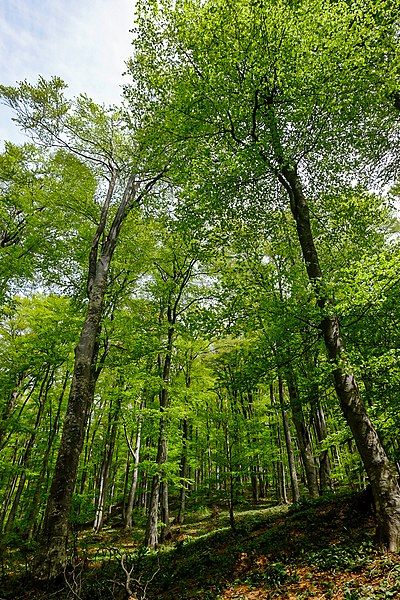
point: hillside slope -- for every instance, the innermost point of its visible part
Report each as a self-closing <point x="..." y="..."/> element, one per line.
<point x="322" y="549"/>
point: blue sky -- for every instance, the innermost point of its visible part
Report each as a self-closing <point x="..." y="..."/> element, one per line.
<point x="83" y="41"/>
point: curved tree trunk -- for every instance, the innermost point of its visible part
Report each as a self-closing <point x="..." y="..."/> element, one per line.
<point x="381" y="474"/>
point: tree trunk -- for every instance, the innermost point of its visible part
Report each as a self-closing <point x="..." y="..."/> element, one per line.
<point x="303" y="438"/>
<point x="106" y="464"/>
<point x="10" y="407"/>
<point x="135" y="475"/>
<point x="381" y="474"/>
<point x="43" y="393"/>
<point x="294" y="484"/>
<point x="279" y="466"/>
<point x="183" y="471"/>
<point x="35" y="504"/>
<point x="164" y="506"/>
<point x="179" y="279"/>
<point x="55" y="529"/>
<point x="151" y="536"/>
<point x="318" y="417"/>
<point x="53" y="556"/>
<point x="231" y="496"/>
<point x="325" y="482"/>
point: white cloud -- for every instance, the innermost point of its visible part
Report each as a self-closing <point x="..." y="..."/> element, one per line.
<point x="83" y="41"/>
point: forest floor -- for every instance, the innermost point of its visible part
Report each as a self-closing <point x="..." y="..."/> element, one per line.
<point x="320" y="549"/>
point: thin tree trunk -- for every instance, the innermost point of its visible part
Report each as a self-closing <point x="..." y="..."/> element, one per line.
<point x="183" y="471"/>
<point x="136" y="458"/>
<point x="9" y="487"/>
<point x="92" y="428"/>
<point x="35" y="504"/>
<point x="44" y="389"/>
<point x="106" y="464"/>
<point x="281" y="467"/>
<point x="164" y="505"/>
<point x="231" y="496"/>
<point x="248" y="414"/>
<point x="151" y="536"/>
<point x="9" y="409"/>
<point x="324" y="462"/>
<point x="318" y="419"/>
<point x="294" y="484"/>
<point x="179" y="280"/>
<point x="303" y="438"/>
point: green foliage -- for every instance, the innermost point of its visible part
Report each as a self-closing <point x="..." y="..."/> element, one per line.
<point x="386" y="590"/>
<point x="341" y="558"/>
<point x="273" y="575"/>
<point x="208" y="304"/>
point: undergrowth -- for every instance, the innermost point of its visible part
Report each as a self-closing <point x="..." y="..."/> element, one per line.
<point x="319" y="549"/>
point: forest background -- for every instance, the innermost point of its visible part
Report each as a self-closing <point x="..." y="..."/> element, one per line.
<point x="199" y="286"/>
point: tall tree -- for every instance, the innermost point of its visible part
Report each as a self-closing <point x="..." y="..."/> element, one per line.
<point x="97" y="136"/>
<point x="260" y="85"/>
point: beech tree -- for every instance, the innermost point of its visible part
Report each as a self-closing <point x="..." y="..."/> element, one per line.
<point x="199" y="290"/>
<point x="96" y="136"/>
<point x="278" y="93"/>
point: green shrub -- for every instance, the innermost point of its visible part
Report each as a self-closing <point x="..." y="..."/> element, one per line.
<point x="341" y="558"/>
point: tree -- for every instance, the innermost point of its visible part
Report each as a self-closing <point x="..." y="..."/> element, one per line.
<point x="175" y="270"/>
<point x="261" y="87"/>
<point x="37" y="345"/>
<point x="96" y="136"/>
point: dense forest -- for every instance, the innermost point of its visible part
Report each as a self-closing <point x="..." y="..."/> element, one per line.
<point x="200" y="289"/>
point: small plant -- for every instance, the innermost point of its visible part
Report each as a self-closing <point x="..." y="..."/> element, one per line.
<point x="340" y="558"/>
<point x="273" y="575"/>
<point x="386" y="591"/>
<point x="358" y="592"/>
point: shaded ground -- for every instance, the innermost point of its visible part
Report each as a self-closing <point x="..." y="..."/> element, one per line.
<point x="322" y="549"/>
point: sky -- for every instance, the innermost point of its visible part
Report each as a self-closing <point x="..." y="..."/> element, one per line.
<point x="85" y="42"/>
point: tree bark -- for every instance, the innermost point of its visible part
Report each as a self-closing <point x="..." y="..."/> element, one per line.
<point x="136" y="457"/>
<point x="35" y="504"/>
<point x="164" y="506"/>
<point x="8" y="410"/>
<point x="53" y="556"/>
<point x="303" y="438"/>
<point x="106" y="464"/>
<point x="325" y="482"/>
<point x="179" y="279"/>
<point x="183" y="471"/>
<point x="280" y="468"/>
<point x="294" y="484"/>
<point x="24" y="461"/>
<point x="55" y="529"/>
<point x="151" y="536"/>
<point x="381" y="474"/>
